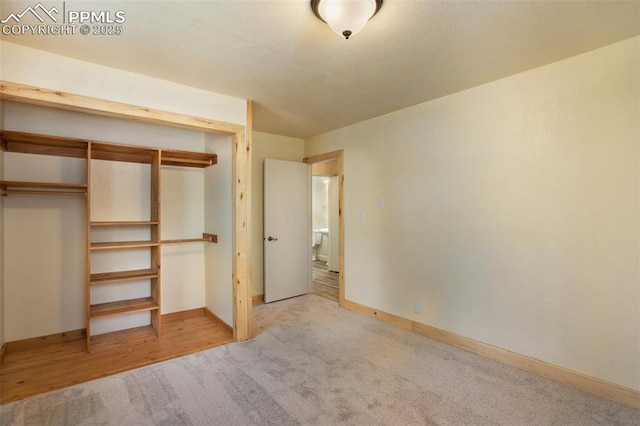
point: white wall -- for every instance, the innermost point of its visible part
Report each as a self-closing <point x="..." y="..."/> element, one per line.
<point x="44" y="243"/>
<point x="44" y="240"/>
<point x="183" y="265"/>
<point x="219" y="221"/>
<point x="512" y="211"/>
<point x="265" y="146"/>
<point x="25" y="65"/>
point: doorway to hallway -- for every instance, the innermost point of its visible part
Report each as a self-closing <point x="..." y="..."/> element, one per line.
<point x="327" y="226"/>
<point x="325" y="282"/>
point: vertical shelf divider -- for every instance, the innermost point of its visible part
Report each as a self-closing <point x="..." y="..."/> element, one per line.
<point x="156" y="237"/>
<point x="87" y="291"/>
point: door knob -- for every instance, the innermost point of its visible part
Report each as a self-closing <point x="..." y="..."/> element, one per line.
<point x="272" y="239"/>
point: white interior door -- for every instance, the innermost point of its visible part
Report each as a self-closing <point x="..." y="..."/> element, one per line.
<point x="287" y="236"/>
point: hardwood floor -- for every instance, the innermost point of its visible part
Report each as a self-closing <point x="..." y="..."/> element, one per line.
<point x="325" y="282"/>
<point x="31" y="371"/>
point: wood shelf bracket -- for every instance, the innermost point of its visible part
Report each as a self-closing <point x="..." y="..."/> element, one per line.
<point x="212" y="238"/>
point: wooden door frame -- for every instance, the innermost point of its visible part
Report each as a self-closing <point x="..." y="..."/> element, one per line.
<point x="339" y="156"/>
<point x="241" y="170"/>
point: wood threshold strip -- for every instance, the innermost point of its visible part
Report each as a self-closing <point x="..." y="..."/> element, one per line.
<point x="123" y="307"/>
<point x="593" y="385"/>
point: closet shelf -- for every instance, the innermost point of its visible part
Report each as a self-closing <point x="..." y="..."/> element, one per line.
<point x="124" y="153"/>
<point x="125" y="223"/>
<point x="42" y="188"/>
<point x="31" y="143"/>
<point x="187" y="159"/>
<point x="209" y="238"/>
<point x="123" y="276"/>
<point x="122" y="244"/>
<point x="123" y="307"/>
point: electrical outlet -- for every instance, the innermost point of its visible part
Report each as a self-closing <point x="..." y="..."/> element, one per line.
<point x="361" y="215"/>
<point x="417" y="306"/>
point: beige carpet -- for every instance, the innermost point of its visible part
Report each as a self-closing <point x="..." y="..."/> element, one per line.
<point x="313" y="363"/>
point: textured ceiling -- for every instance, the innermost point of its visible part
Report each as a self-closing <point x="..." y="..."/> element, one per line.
<point x="305" y="80"/>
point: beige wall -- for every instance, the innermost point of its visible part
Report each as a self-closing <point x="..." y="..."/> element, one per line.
<point x="511" y="211"/>
<point x="219" y="221"/>
<point x="21" y="64"/>
<point x="266" y="146"/>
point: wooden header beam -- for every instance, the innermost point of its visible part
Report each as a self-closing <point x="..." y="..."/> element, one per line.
<point x="47" y="97"/>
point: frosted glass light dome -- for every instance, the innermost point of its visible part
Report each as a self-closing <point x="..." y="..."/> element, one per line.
<point x="346" y="17"/>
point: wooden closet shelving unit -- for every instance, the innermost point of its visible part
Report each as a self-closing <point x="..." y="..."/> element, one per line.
<point x="30" y="143"/>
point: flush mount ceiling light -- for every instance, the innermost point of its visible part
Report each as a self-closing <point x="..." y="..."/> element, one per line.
<point x="345" y="17"/>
